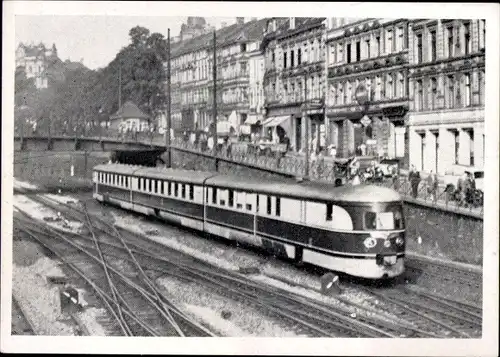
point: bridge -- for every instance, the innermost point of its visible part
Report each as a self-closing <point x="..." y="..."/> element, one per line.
<point x="288" y="166"/>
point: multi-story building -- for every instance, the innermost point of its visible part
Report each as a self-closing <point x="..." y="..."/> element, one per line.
<point x="294" y="55"/>
<point x="256" y="90"/>
<point x="192" y="76"/>
<point x="34" y="60"/>
<point x="367" y="99"/>
<point x="446" y="124"/>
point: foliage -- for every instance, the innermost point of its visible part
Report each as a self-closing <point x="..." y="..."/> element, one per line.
<point x="79" y="99"/>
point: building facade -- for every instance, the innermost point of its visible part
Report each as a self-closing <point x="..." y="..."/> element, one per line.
<point x="34" y="59"/>
<point x="294" y="55"/>
<point x="446" y="123"/>
<point x="256" y="97"/>
<point x="192" y="77"/>
<point x="367" y="100"/>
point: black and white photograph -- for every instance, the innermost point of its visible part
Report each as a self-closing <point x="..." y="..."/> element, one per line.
<point x="312" y="178"/>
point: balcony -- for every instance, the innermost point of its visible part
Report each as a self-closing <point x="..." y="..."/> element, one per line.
<point x="400" y="58"/>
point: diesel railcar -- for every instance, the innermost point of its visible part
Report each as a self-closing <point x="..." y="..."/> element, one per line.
<point x="358" y="230"/>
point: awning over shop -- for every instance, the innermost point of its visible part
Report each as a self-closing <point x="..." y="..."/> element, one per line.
<point x="252" y="119"/>
<point x="223" y="127"/>
<point x="282" y="121"/>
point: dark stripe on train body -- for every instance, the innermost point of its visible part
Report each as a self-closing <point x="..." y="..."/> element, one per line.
<point x="185" y="208"/>
<point x="344" y="242"/>
<point x="241" y="220"/>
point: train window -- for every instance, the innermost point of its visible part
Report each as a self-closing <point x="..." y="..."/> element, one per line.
<point x="169" y="188"/>
<point x="114" y="179"/>
<point x="329" y="211"/>
<point x="268" y="204"/>
<point x="139" y="183"/>
<point x="222" y="202"/>
<point x="183" y="191"/>
<point x="231" y="198"/>
<point x="206" y="194"/>
<point x="150" y="184"/>
<point x="239" y="206"/>
<point x="156" y="186"/>
<point x="214" y="195"/>
<point x="176" y="189"/>
<point x="191" y="192"/>
<point x="126" y="181"/>
<point x="121" y="180"/>
<point x="278" y="206"/>
<point x="162" y="188"/>
<point x="370" y="220"/>
<point x="398" y="220"/>
<point x="249" y="207"/>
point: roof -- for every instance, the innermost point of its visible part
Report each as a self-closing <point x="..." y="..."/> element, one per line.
<point x="190" y="176"/>
<point x="316" y="191"/>
<point x="249" y="31"/>
<point x="129" y="110"/>
<point x="283" y="28"/>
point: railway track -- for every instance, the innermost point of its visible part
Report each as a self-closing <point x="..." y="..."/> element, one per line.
<point x="313" y="318"/>
<point x="134" y="305"/>
<point x="310" y="317"/>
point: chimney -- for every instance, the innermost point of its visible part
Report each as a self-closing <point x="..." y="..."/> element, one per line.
<point x="240" y="20"/>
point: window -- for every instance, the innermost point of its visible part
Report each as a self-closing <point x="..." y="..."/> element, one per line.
<point x="243" y="47"/>
<point x="482" y="34"/>
<point x="420" y="95"/>
<point x="377" y="44"/>
<point x="433" y="93"/>
<point x="162" y="188"/>
<point x="299" y="57"/>
<point x="367" y="47"/>
<point x="457" y="145"/>
<point x="389" y="90"/>
<point x="340" y="54"/>
<point x="467" y="91"/>
<point x="139" y="184"/>
<point x="284" y="60"/>
<point x="214" y="195"/>
<point x="467" y="38"/>
<point x="273" y="57"/>
<point x="471" y="146"/>
<point x="176" y="189"/>
<point x="222" y="202"/>
<point x="268" y="204"/>
<point x="292" y="58"/>
<point x="400" y="39"/>
<point x="358" y="51"/>
<point x="156" y="186"/>
<point x="278" y="206"/>
<point x="348" y="52"/>
<point x="481" y="87"/>
<point x="191" y="192"/>
<point x="249" y="207"/>
<point x="419" y="48"/>
<point x="183" y="190"/>
<point x="389" y="41"/>
<point x="401" y="85"/>
<point x="231" y="198"/>
<point x="329" y="211"/>
<point x="380" y="220"/>
<point x="451" y="92"/>
<point x="169" y="188"/>
<point x="449" y="31"/>
<point x="433" y="46"/>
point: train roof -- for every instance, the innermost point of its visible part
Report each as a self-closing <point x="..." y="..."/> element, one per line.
<point x="317" y="191"/>
<point x="190" y="176"/>
<point x="308" y="189"/>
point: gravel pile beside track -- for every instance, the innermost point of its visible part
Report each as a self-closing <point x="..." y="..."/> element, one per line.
<point x="243" y="321"/>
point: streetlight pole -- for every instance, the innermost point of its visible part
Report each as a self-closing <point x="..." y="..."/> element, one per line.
<point x="169" y="102"/>
<point x="306" y="122"/>
<point x="214" y="114"/>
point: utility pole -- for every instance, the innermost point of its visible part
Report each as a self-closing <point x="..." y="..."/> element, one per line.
<point x="169" y="118"/>
<point x="214" y="114"/>
<point x="306" y="122"/>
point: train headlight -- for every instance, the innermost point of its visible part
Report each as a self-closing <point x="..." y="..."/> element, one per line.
<point x="370" y="242"/>
<point x="387" y="243"/>
<point x="399" y="241"/>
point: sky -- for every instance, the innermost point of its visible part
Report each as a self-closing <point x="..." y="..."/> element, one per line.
<point x="95" y="39"/>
